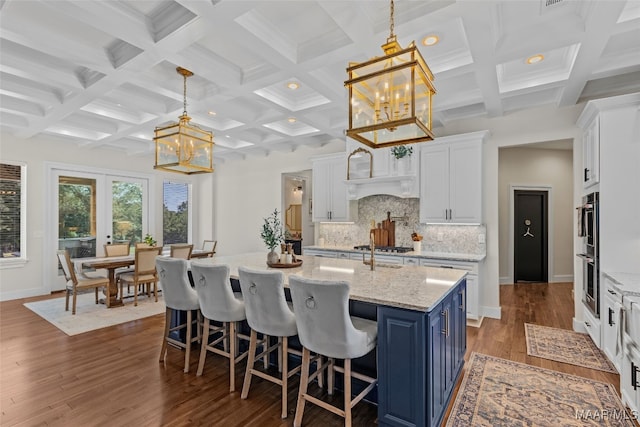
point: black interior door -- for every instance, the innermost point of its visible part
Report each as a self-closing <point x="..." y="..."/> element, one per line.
<point x="530" y="236"/>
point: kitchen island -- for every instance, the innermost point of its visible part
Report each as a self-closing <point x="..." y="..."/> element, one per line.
<point x="421" y="328"/>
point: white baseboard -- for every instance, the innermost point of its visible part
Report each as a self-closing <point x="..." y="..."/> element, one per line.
<point x="26" y="293"/>
<point x="562" y="278"/>
<point x="578" y="326"/>
<point x="558" y="278"/>
<point x="492" y="312"/>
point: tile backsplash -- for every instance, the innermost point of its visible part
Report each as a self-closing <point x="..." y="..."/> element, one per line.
<point x="405" y="212"/>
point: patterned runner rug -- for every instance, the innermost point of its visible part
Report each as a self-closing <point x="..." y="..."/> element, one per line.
<point x="499" y="392"/>
<point x="565" y="346"/>
<point x="90" y="316"/>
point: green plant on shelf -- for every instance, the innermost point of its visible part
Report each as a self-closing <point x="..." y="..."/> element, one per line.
<point x="400" y="151"/>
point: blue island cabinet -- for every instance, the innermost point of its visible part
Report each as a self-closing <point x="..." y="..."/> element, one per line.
<point x="420" y="357"/>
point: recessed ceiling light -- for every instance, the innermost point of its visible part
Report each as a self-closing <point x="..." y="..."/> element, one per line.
<point x="291" y="119"/>
<point x="430" y="40"/>
<point x="212" y="113"/>
<point x="293" y="85"/>
<point x="535" y="58"/>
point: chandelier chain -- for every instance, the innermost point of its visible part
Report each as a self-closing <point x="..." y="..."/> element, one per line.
<point x="185" y="95"/>
<point x="391" y="25"/>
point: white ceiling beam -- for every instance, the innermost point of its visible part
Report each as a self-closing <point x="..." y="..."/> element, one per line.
<point x="478" y="20"/>
<point x="600" y="23"/>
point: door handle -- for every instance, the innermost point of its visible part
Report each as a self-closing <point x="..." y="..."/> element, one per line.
<point x="634" y="376"/>
<point x="611" y="322"/>
<point x="586" y="174"/>
<point x="445" y="314"/>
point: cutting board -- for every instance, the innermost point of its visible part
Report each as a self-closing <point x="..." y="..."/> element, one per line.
<point x="390" y="226"/>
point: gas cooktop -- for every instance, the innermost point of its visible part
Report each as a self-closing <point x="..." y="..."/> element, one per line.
<point x="398" y="249"/>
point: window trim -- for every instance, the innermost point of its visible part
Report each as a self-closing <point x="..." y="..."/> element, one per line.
<point x="22" y="260"/>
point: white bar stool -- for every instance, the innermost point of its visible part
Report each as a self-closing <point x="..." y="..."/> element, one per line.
<point x="219" y="303"/>
<point x="269" y="315"/>
<point x="325" y="328"/>
<point x="178" y="295"/>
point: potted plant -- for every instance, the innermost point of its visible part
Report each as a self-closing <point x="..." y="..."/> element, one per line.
<point x="149" y="240"/>
<point x="272" y="235"/>
<point x="402" y="153"/>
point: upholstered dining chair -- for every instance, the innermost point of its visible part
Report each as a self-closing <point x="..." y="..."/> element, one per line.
<point x="219" y="303"/>
<point x="178" y="296"/>
<point x="116" y="249"/>
<point x="268" y="314"/>
<point x="325" y="327"/>
<point x="181" y="251"/>
<point x="144" y="272"/>
<point x="75" y="284"/>
<point x="209" y="246"/>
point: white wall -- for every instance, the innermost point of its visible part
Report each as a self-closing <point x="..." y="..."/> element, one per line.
<point x="539" y="167"/>
<point x="249" y="190"/>
<point x="28" y="280"/>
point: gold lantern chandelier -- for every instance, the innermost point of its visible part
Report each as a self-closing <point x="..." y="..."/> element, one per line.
<point x="390" y="97"/>
<point x="183" y="147"/>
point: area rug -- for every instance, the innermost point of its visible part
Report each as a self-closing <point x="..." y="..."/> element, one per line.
<point x="90" y="316"/>
<point x="565" y="346"/>
<point x="499" y="392"/>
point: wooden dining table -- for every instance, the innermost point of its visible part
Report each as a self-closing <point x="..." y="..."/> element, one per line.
<point x="111" y="264"/>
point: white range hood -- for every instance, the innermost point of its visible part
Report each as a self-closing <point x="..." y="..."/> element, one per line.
<point x="405" y="186"/>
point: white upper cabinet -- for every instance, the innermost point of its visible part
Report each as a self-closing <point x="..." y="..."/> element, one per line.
<point x="591" y="153"/>
<point x="451" y="179"/>
<point x="329" y="190"/>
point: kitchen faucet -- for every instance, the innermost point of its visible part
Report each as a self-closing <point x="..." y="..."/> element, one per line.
<point x="372" y="245"/>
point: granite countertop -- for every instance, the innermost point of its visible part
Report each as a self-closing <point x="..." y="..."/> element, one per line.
<point x="411" y="287"/>
<point x="628" y="284"/>
<point x="453" y="256"/>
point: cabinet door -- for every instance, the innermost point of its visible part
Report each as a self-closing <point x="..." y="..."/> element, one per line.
<point x="472" y="297"/>
<point x="460" y="325"/>
<point x="465" y="182"/>
<point x="437" y="365"/>
<point x="610" y="329"/>
<point x="434" y="184"/>
<point x="591" y="154"/>
<point x="338" y="193"/>
<point x="321" y="190"/>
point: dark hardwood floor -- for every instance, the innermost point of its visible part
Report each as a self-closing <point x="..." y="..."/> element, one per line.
<point x="112" y="376"/>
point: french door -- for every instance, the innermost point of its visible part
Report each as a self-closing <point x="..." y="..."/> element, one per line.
<point x="93" y="209"/>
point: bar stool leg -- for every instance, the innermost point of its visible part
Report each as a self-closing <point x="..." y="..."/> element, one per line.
<point x="167" y="322"/>
<point x="347" y="392"/>
<point x="250" y="361"/>
<point x="188" y="342"/>
<point x="330" y="376"/>
<point x="203" y="347"/>
<point x="304" y="382"/>
<point x="285" y="374"/>
<point x="232" y="356"/>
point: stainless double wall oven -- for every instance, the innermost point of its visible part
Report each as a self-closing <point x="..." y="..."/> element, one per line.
<point x="588" y="224"/>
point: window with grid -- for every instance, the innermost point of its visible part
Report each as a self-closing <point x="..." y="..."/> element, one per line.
<point x="12" y="211"/>
<point x="176" y="213"/>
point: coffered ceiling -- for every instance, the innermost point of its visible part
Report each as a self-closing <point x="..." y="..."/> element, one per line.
<point x="102" y="73"/>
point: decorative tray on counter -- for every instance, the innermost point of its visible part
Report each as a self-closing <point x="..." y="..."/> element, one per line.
<point x="296" y="263"/>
